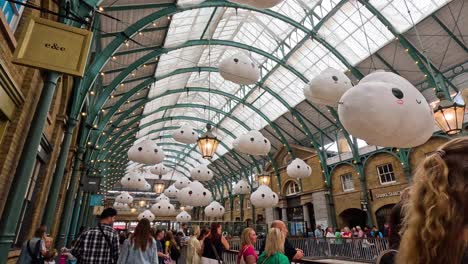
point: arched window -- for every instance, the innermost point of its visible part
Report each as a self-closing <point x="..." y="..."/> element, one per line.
<point x="292" y="188"/>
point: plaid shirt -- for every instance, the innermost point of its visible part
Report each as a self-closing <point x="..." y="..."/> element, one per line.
<point x="92" y="247"/>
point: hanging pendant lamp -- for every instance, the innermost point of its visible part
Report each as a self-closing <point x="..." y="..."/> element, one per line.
<point x="208" y="143"/>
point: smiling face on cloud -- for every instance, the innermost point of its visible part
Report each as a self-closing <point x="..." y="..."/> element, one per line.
<point x="171" y="191"/>
<point x="134" y="181"/>
<point x="239" y="69"/>
<point x="214" y="209"/>
<point x="146" y="152"/>
<point x="298" y="169"/>
<point x="201" y="173"/>
<point x="195" y="195"/>
<point x="242" y="187"/>
<point x="253" y="143"/>
<point x="146" y="214"/>
<point x="159" y="169"/>
<point x="163" y="208"/>
<point x="162" y="197"/>
<point x="183" y="217"/>
<point x="264" y="197"/>
<point x="185" y="134"/>
<point x="124" y="197"/>
<point x="328" y="87"/>
<point x="182" y="182"/>
<point x="121" y="206"/>
<point x="386" y="110"/>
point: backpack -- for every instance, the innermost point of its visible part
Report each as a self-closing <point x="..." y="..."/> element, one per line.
<point x="175" y="252"/>
<point x="36" y="256"/>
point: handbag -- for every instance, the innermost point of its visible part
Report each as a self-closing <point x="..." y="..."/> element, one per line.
<point x="220" y="260"/>
<point x="108" y="243"/>
<point x="242" y="260"/>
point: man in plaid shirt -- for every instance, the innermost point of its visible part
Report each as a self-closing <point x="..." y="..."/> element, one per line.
<point x="99" y="245"/>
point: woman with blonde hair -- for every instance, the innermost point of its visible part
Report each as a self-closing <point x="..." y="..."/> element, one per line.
<point x="247" y="254"/>
<point x="435" y="226"/>
<point x="274" y="249"/>
<point x="194" y="246"/>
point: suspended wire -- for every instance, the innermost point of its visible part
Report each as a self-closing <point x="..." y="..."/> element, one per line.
<point x="431" y="70"/>
<point x="450" y="39"/>
<point x="371" y="55"/>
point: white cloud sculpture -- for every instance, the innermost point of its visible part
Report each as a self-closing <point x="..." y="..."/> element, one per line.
<point x="239" y="69"/>
<point x="185" y="134"/>
<point x="261" y="4"/>
<point x="146" y="214"/>
<point x="162" y="197"/>
<point x="264" y="197"/>
<point x="121" y="206"/>
<point x="163" y="208"/>
<point x="327" y="87"/>
<point x="171" y="191"/>
<point x="182" y="182"/>
<point x="159" y="169"/>
<point x="214" y="209"/>
<point x="252" y="143"/>
<point x="183" y="217"/>
<point x="298" y="169"/>
<point x="134" y="180"/>
<point x="146" y="152"/>
<point x="242" y="187"/>
<point x="195" y="195"/>
<point x="124" y="197"/>
<point x="201" y="173"/>
<point x="386" y="110"/>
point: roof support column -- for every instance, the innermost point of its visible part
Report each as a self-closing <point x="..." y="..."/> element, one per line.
<point x="13" y="207"/>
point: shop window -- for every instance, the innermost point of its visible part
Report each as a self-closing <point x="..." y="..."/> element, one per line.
<point x="292" y="188"/>
<point x="12" y="12"/>
<point x="386" y="173"/>
<point x="237" y="205"/>
<point x="347" y="182"/>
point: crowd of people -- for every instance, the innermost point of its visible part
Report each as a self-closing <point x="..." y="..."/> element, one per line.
<point x="428" y="226"/>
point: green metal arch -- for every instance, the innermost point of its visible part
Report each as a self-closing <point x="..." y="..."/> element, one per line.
<point x="237" y="166"/>
<point x="180" y="118"/>
<point x="201" y="89"/>
<point x="104" y="55"/>
<point x="201" y="106"/>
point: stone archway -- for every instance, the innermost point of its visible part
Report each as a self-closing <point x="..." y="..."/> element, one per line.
<point x="382" y="215"/>
<point x="353" y="217"/>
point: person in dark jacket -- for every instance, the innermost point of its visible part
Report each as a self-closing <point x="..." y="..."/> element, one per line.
<point x="289" y="250"/>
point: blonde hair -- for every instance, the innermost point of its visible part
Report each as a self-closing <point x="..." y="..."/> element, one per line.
<point x="274" y="242"/>
<point x="195" y="231"/>
<point x="434" y="213"/>
<point x="245" y="236"/>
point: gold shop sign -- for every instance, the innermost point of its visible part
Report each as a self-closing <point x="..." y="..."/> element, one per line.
<point x="388" y="194"/>
<point x="50" y="45"/>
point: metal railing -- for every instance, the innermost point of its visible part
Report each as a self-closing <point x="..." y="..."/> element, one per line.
<point x="353" y="249"/>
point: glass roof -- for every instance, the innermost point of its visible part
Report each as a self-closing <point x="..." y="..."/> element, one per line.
<point x="352" y="30"/>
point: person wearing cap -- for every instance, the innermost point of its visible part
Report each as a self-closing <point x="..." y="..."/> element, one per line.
<point x="98" y="244"/>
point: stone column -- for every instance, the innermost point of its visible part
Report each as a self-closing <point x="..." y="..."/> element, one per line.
<point x="269" y="215"/>
<point x="321" y="210"/>
<point x="284" y="214"/>
<point x="305" y="212"/>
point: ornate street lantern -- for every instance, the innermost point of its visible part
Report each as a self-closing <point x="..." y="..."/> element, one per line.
<point x="208" y="143"/>
<point x="449" y="116"/>
<point x="159" y="187"/>
<point x="264" y="179"/>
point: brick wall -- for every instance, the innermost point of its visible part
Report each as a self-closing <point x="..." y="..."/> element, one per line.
<point x="30" y="83"/>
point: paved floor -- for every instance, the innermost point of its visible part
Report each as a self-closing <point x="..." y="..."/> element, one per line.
<point x="331" y="261"/>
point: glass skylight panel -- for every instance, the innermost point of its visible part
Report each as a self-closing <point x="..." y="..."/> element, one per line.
<point x="355" y="32"/>
<point x="396" y="11"/>
<point x="188" y="25"/>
